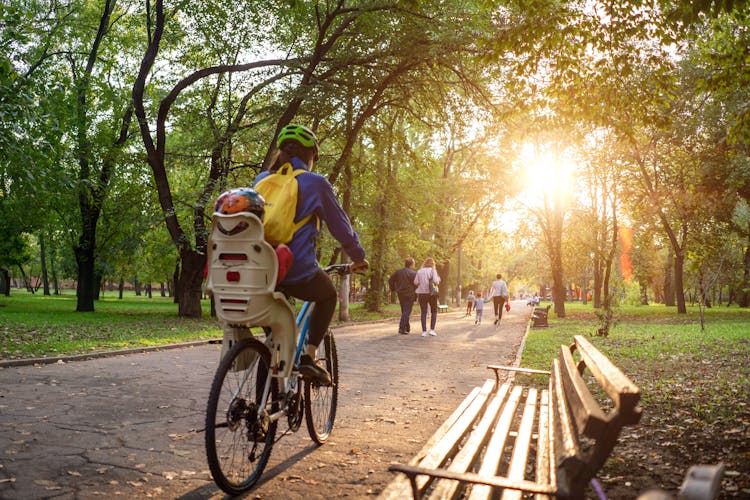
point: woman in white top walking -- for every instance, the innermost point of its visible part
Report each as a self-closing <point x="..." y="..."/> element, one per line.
<point x="427" y="294"/>
<point x="499" y="295"/>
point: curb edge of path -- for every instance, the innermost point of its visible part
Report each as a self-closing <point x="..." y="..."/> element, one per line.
<point x="11" y="363"/>
<point x="102" y="354"/>
<point x="48" y="360"/>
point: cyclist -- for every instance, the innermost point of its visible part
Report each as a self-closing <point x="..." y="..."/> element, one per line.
<point x="305" y="280"/>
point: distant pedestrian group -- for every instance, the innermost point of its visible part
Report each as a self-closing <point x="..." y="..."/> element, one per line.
<point x="421" y="285"/>
<point x="498" y="294"/>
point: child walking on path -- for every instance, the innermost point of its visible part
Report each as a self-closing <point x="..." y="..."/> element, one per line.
<point x="469" y="303"/>
<point x="479" y="308"/>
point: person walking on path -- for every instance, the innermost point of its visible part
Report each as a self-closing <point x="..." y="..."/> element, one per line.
<point x="426" y="281"/>
<point x="479" y="308"/>
<point x="470" y="303"/>
<point x="499" y="295"/>
<point x="402" y="282"/>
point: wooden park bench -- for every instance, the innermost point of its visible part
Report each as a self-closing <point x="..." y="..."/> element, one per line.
<point x="442" y="308"/>
<point x="539" y="317"/>
<point x="510" y="439"/>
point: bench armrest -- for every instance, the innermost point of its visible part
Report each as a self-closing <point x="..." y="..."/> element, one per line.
<point x="497" y="368"/>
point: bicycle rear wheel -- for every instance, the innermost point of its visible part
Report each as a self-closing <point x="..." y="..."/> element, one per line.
<point x="238" y="443"/>
<point x="321" y="400"/>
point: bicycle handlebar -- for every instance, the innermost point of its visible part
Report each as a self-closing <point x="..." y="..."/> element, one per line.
<point x="340" y="269"/>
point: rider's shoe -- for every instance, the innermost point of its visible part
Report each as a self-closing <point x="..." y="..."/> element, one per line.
<point x="310" y="369"/>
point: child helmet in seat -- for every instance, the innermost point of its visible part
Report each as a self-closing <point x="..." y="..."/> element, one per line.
<point x="242" y="199"/>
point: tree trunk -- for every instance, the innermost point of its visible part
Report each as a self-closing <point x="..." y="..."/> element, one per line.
<point x="25" y="280"/>
<point x="597" y="282"/>
<point x="584" y="289"/>
<point x="668" y="281"/>
<point x="99" y="284"/>
<point x="679" y="263"/>
<point x="189" y="284"/>
<point x="175" y="280"/>
<point x="43" y="258"/>
<point x="121" y="287"/>
<point x="556" y="262"/>
<point x="643" y="286"/>
<point x="53" y="271"/>
<point x="373" y="300"/>
<point x="743" y="297"/>
<point x="346" y="205"/>
<point x="4" y="281"/>
<point x="85" y="285"/>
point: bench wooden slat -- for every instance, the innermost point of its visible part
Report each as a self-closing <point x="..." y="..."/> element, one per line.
<point x="400" y="487"/>
<point x="517" y="469"/>
<point x="543" y="454"/>
<point x="616" y="384"/>
<point x="566" y="449"/>
<point x="552" y="433"/>
<point x="589" y="418"/>
<point x="495" y="447"/>
<point x="566" y="442"/>
<point x="471" y="449"/>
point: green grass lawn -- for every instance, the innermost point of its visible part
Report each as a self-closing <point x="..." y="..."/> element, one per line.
<point x="34" y="325"/>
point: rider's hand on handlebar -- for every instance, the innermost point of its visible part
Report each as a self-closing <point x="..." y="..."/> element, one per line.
<point x="359" y="267"/>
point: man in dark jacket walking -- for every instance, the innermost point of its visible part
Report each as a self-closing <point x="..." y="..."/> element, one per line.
<point x="402" y="282"/>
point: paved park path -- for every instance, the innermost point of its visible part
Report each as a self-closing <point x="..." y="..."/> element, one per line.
<point x="126" y="426"/>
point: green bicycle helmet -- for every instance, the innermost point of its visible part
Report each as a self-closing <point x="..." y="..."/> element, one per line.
<point x="299" y="133"/>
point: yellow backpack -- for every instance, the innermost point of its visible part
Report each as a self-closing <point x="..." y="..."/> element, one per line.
<point x="280" y="190"/>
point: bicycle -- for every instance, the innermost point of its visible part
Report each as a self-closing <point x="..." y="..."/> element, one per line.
<point x="257" y="383"/>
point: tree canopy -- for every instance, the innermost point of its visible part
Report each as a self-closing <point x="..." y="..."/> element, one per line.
<point x="574" y="146"/>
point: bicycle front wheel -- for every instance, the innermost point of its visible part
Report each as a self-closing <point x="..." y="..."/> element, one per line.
<point x="238" y="437"/>
<point x="321" y="400"/>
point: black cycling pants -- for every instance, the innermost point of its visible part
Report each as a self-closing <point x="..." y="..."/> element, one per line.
<point x="318" y="289"/>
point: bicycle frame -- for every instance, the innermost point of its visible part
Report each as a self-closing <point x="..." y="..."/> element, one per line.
<point x="291" y="379"/>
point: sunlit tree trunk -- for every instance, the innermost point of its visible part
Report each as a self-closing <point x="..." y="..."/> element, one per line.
<point x="43" y="258"/>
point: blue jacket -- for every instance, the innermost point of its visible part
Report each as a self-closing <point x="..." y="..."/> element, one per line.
<point x="316" y="197"/>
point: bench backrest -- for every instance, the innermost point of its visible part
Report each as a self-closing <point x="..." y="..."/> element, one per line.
<point x="582" y="432"/>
